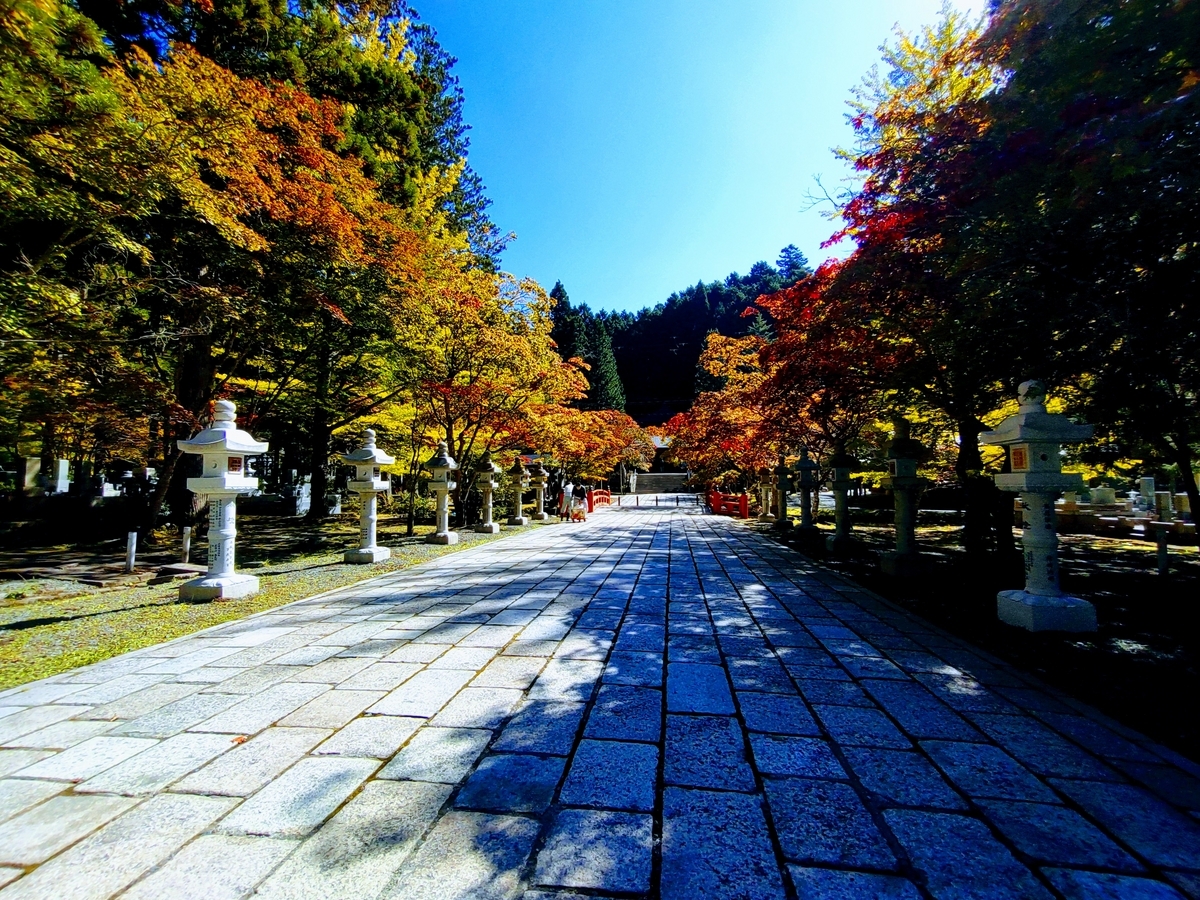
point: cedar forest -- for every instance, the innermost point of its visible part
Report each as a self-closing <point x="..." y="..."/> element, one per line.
<point x="272" y="203"/>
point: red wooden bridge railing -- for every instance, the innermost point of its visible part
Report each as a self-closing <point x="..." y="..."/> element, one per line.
<point x="598" y="498"/>
<point x="728" y="504"/>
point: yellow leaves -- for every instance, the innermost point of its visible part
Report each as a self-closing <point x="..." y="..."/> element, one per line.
<point x="235" y="150"/>
<point x="735" y="358"/>
<point x="590" y="444"/>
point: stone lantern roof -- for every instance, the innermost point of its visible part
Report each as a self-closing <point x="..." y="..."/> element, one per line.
<point x="368" y="454"/>
<point x="223" y="435"/>
<point x="1032" y="423"/>
<point x="441" y="461"/>
<point x="485" y="466"/>
<point x="1034" y="438"/>
<point x="841" y="459"/>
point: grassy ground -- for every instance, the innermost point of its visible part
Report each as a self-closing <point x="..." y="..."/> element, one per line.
<point x="50" y="625"/>
<point x="1142" y="666"/>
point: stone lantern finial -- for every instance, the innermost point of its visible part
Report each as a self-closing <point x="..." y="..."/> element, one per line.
<point x="225" y="412"/>
<point x="441" y="460"/>
<point x="1032" y="395"/>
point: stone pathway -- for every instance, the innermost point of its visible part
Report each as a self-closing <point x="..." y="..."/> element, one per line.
<point x="654" y="703"/>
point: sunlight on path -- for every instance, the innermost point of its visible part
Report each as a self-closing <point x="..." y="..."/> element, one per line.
<point x="655" y="702"/>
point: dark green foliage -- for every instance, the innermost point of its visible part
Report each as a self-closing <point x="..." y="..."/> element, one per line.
<point x="1086" y="226"/>
<point x="403" y="119"/>
<point x="658" y="348"/>
<point x="607" y="391"/>
<point x="792" y="264"/>
<point x="581" y="334"/>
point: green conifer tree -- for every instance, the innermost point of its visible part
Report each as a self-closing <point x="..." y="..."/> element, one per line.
<point x="607" y="391"/>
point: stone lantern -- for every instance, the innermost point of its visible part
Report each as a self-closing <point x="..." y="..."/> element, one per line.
<point x="842" y="464"/>
<point x="367" y="483"/>
<point x="783" y="486"/>
<point x="520" y="481"/>
<point x="442" y="468"/>
<point x="223" y="447"/>
<point x="903" y="454"/>
<point x="485" y="472"/>
<point x="1033" y="438"/>
<point x="764" y="496"/>
<point x="807" y="483"/>
<point x="538" y="476"/>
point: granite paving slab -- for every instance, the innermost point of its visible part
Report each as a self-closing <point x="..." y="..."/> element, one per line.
<point x="654" y="703"/>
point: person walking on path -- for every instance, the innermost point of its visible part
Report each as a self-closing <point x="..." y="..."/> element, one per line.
<point x="564" y="502"/>
<point x="579" y="504"/>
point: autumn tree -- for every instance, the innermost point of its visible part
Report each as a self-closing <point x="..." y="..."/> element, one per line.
<point x="484" y="366"/>
<point x="1084" y="222"/>
<point x="918" y="124"/>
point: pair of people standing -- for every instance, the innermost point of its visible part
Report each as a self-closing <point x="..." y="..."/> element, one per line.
<point x="572" y="503"/>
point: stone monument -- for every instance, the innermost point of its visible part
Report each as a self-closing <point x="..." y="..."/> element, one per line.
<point x="368" y="484"/>
<point x="442" y="468"/>
<point x="538" y="476"/>
<point x="764" y="496"/>
<point x="1033" y="437"/>
<point x="808" y="483"/>
<point x="486" y="471"/>
<point x="842" y="464"/>
<point x="783" y="486"/>
<point x="520" y="481"/>
<point x="903" y="454"/>
<point x="223" y="447"/>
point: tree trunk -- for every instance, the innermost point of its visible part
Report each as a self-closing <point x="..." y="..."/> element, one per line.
<point x="1183" y="459"/>
<point x="318" y="450"/>
<point x="412" y="502"/>
<point x="160" y="491"/>
<point x="195" y="381"/>
<point x="978" y="489"/>
<point x="319" y="435"/>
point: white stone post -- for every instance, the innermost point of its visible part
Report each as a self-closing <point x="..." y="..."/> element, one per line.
<point x="486" y="471"/>
<point x="223" y="447"/>
<point x="842" y="463"/>
<point x="1033" y="438"/>
<point x="368" y="483"/>
<point x="520" y="480"/>
<point x="538" y="478"/>
<point x="441" y="465"/>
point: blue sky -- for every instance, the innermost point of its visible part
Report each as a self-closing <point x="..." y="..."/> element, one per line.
<point x="638" y="146"/>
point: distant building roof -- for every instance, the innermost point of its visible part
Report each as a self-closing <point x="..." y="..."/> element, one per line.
<point x="660" y="443"/>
